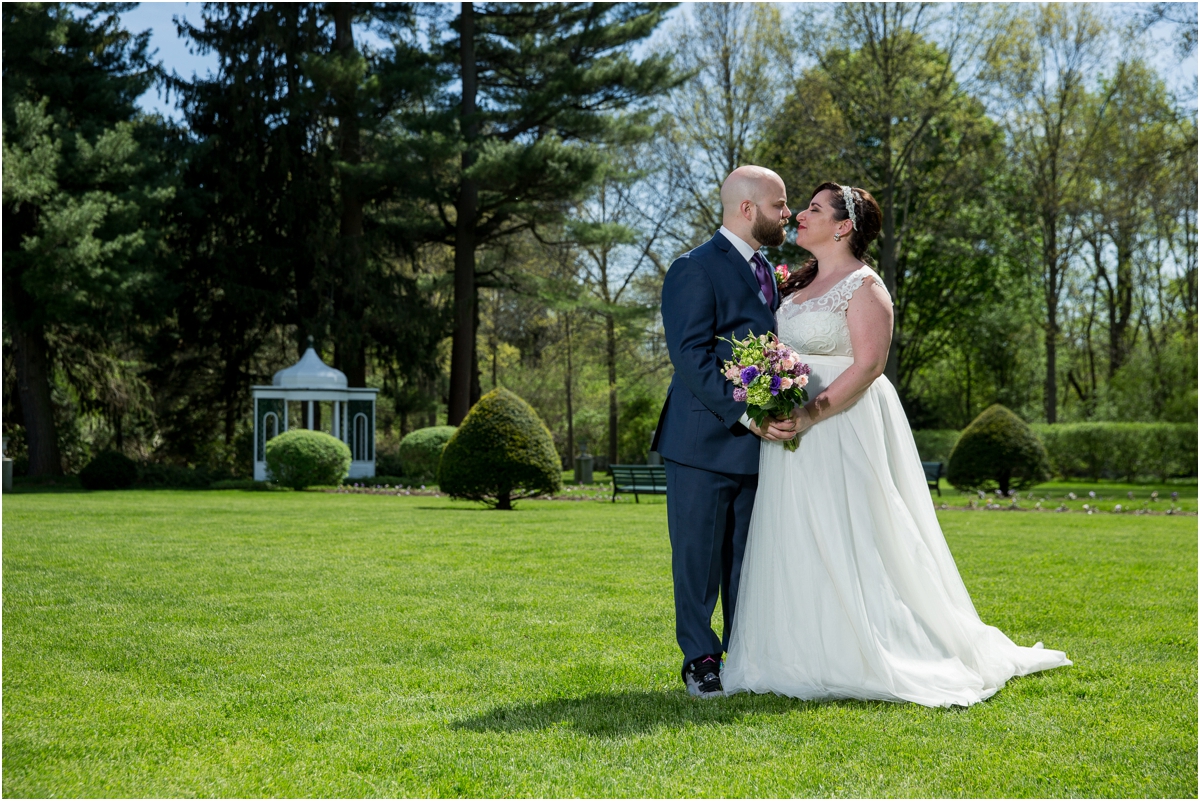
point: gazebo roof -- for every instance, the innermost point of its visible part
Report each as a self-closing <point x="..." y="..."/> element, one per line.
<point x="310" y="373"/>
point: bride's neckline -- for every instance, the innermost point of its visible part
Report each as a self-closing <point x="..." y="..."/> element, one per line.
<point x="793" y="298"/>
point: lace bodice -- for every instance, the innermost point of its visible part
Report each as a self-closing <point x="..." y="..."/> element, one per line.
<point x="818" y="325"/>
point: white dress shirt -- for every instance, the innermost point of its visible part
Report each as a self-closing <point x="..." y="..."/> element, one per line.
<point x="747" y="252"/>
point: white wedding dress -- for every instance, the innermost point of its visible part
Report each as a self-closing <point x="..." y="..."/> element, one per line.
<point x="847" y="587"/>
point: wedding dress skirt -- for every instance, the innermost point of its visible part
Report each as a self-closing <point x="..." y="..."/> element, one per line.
<point x="848" y="589"/>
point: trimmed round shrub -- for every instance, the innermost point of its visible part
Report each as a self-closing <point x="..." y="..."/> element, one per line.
<point x="998" y="450"/>
<point x="301" y="458"/>
<point x="109" y="470"/>
<point x="502" y="452"/>
<point x="421" y="452"/>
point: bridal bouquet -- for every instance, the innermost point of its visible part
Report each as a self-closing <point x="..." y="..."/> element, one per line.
<point x="769" y="377"/>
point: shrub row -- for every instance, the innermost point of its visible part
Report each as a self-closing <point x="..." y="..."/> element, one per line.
<point x="1097" y="450"/>
<point x="1120" y="450"/>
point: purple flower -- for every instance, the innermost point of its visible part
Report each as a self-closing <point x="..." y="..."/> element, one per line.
<point x="739" y="394"/>
<point x="803" y="369"/>
<point x="748" y="375"/>
<point x="776" y="381"/>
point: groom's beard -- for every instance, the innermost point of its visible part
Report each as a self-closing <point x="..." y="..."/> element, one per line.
<point x="768" y="231"/>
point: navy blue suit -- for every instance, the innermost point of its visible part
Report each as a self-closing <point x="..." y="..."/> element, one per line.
<point x="711" y="458"/>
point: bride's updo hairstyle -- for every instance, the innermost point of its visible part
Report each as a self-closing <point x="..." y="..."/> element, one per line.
<point x="867" y="224"/>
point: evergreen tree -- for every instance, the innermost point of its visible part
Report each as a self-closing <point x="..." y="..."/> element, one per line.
<point x="83" y="189"/>
<point x="297" y="208"/>
<point x="541" y="85"/>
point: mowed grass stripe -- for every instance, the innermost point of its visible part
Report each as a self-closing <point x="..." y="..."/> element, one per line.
<point x="247" y="644"/>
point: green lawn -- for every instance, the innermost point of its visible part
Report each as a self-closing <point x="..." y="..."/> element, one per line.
<point x="245" y="644"/>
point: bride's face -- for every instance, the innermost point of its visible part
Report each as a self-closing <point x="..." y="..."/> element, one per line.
<point x="815" y="226"/>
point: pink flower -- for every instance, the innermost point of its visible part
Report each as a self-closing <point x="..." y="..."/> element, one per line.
<point x="732" y="372"/>
<point x="785" y="383"/>
<point x="788" y="364"/>
<point x="802" y="381"/>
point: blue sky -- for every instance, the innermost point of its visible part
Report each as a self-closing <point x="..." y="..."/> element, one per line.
<point x="175" y="55"/>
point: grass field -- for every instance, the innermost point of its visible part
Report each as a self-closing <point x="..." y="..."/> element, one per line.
<point x="245" y="644"/>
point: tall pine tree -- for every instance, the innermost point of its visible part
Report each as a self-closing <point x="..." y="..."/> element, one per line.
<point x="83" y="190"/>
<point x="542" y="85"/>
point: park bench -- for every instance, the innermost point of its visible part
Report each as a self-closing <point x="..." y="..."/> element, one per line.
<point x="933" y="471"/>
<point x="640" y="479"/>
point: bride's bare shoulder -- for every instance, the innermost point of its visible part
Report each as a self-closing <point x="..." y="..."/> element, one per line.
<point x="869" y="291"/>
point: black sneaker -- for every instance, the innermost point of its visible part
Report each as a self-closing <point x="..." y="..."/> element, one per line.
<point x="703" y="677"/>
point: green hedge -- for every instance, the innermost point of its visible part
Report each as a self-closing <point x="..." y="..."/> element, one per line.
<point x="301" y="458"/>
<point x="1098" y="450"/>
<point x="421" y="452"/>
<point x="1120" y="450"/>
<point x="109" y="470"/>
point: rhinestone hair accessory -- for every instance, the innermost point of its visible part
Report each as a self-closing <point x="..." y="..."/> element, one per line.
<point x="848" y="199"/>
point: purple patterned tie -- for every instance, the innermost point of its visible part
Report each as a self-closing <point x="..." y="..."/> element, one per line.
<point x="762" y="271"/>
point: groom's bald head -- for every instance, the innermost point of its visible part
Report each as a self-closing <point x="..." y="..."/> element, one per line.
<point x="752" y="183"/>
<point x="754" y="205"/>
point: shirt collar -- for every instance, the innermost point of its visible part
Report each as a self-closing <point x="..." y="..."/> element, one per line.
<point x="742" y="246"/>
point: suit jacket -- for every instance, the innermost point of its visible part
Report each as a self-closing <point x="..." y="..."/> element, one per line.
<point x="708" y="293"/>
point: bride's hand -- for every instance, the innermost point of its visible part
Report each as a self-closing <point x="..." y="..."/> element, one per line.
<point x="801" y="419"/>
<point x="779" y="430"/>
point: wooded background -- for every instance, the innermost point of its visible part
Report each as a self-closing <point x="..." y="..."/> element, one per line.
<point x="448" y="202"/>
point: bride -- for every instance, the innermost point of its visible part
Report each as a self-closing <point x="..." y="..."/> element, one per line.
<point x="847" y="587"/>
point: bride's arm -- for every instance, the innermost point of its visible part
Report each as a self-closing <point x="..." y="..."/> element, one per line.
<point x="869" y="318"/>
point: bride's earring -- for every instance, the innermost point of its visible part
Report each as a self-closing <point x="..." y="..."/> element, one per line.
<point x="837" y="237"/>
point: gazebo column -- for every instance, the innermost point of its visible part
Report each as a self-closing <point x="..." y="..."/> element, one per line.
<point x="337" y="418"/>
<point x="310" y="414"/>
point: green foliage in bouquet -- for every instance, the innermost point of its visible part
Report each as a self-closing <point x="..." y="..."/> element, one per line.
<point x="109" y="470"/>
<point x="421" y="452"/>
<point x="997" y="450"/>
<point x="501" y="453"/>
<point x="301" y="458"/>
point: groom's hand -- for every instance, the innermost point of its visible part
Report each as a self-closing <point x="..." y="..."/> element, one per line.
<point x="780" y="429"/>
<point x="773" y="431"/>
<point x="761" y="433"/>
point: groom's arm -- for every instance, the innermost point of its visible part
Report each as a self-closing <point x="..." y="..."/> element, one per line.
<point x="689" y="311"/>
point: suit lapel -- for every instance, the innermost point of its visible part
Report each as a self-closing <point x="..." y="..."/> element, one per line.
<point x="741" y="266"/>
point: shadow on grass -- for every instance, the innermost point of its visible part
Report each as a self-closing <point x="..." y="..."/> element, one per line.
<point x="621" y="714"/>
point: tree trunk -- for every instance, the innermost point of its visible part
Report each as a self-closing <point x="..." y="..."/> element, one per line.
<point x="33" y="388"/>
<point x="463" y="369"/>
<point x="570" y="400"/>
<point x="1050" y="258"/>
<point x="611" y="358"/>
<point x="1120" y="308"/>
<point x="351" y="232"/>
<point x="504" y="502"/>
<point x="887" y="266"/>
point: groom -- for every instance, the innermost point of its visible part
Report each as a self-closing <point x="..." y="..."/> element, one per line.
<point x="724" y="288"/>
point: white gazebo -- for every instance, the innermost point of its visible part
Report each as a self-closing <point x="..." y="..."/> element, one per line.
<point x="310" y="384"/>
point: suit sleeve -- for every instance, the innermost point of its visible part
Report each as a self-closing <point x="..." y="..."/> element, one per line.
<point x="689" y="312"/>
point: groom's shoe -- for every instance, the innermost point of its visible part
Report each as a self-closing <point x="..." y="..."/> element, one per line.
<point x="703" y="677"/>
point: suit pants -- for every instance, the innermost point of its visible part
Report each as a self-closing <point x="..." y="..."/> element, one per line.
<point x="708" y="516"/>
